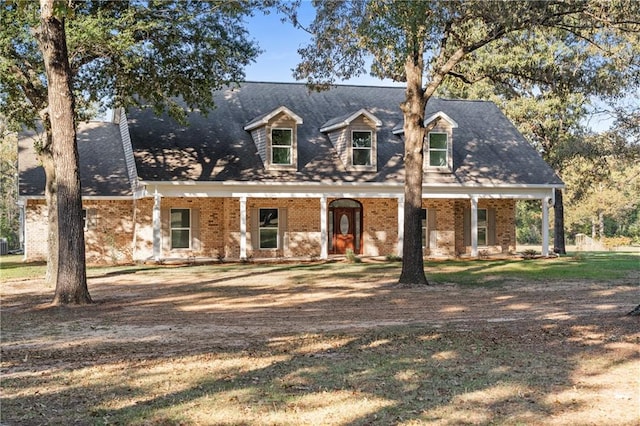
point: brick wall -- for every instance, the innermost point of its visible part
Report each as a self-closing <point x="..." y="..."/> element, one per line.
<point x="505" y="210"/>
<point x="111" y="237"/>
<point x="35" y="220"/>
<point x="445" y="227"/>
<point x="379" y="226"/>
<point x="109" y="234"/>
<point x="108" y="237"/>
<point x="301" y="238"/>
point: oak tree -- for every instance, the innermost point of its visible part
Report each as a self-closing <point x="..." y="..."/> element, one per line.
<point x="422" y="44"/>
<point x="551" y="93"/>
<point x="167" y="54"/>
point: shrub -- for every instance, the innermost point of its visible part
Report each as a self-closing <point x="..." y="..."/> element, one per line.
<point x="351" y="257"/>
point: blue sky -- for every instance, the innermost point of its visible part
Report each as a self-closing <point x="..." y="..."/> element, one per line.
<point x="280" y="43"/>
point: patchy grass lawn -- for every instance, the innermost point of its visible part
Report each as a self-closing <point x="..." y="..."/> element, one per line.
<point x="490" y="342"/>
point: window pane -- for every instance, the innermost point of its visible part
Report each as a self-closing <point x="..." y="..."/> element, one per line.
<point x="179" y="218"/>
<point x="281" y="155"/>
<point x="269" y="238"/>
<point x="482" y="217"/>
<point x="179" y="238"/>
<point x="482" y="236"/>
<point x="438" y="158"/>
<point x="268" y="218"/>
<point x="361" y="157"/>
<point x="437" y="141"/>
<point x="361" y="139"/>
<point x="281" y="137"/>
<point x="344" y="202"/>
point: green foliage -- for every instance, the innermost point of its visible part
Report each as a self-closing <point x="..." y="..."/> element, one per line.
<point x="9" y="213"/>
<point x="604" y="194"/>
<point x="125" y="53"/>
<point x="351" y="257"/>
<point x="528" y="222"/>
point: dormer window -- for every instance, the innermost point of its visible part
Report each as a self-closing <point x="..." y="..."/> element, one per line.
<point x="438" y="144"/>
<point x="361" y="145"/>
<point x="281" y="146"/>
<point x="354" y="136"/>
<point x="438" y="151"/>
<point x="275" y="134"/>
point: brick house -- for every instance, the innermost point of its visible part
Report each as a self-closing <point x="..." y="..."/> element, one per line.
<point x="276" y="171"/>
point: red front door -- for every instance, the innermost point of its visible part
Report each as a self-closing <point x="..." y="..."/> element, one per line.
<point x="343" y="230"/>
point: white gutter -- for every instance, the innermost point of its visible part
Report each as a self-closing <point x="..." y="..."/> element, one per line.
<point x="198" y="189"/>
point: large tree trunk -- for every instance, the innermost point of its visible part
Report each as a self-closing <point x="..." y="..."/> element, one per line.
<point x="71" y="283"/>
<point x="46" y="158"/>
<point x="413" y="111"/>
<point x="558" y="225"/>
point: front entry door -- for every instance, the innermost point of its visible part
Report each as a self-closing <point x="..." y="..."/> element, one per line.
<point x="343" y="230"/>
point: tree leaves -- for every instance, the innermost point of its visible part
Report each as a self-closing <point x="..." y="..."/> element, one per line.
<point x="122" y="53"/>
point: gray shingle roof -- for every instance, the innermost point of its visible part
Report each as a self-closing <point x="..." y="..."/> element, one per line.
<point x="487" y="147"/>
<point x="103" y="170"/>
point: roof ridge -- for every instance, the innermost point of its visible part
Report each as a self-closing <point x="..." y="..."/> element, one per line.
<point x="298" y="83"/>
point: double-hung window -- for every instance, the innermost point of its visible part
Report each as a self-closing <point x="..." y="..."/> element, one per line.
<point x="482" y="227"/>
<point x="180" y="228"/>
<point x="281" y="146"/>
<point x="438" y="150"/>
<point x="361" y="143"/>
<point x="268" y="228"/>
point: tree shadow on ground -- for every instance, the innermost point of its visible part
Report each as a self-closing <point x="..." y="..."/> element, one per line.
<point x="240" y="349"/>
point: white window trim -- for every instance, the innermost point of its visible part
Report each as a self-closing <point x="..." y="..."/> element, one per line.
<point x="370" y="148"/>
<point x="446" y="151"/>
<point x="171" y="228"/>
<point x="260" y="228"/>
<point x="290" y="147"/>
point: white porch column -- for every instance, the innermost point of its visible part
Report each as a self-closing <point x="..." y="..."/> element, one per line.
<point x="157" y="226"/>
<point x="243" y="227"/>
<point x="474" y="226"/>
<point x="400" y="225"/>
<point x="545" y="226"/>
<point x="324" y="238"/>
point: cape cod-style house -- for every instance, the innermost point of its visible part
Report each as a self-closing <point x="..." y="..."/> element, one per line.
<point x="277" y="171"/>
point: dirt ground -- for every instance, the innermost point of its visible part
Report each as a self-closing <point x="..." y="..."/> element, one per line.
<point x="182" y="312"/>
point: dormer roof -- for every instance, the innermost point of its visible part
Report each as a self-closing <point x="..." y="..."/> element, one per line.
<point x="442" y="116"/>
<point x="346" y="119"/>
<point x="263" y="119"/>
<point x="398" y="129"/>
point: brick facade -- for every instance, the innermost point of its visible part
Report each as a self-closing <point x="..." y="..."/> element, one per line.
<point x="108" y="232"/>
<point x="122" y="230"/>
